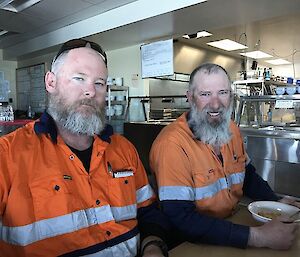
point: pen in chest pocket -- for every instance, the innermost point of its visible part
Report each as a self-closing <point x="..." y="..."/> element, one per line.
<point x="118" y="173"/>
<point x="109" y="169"/>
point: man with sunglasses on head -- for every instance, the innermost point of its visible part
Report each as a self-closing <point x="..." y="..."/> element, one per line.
<point x="68" y="185"/>
<point x="202" y="170"/>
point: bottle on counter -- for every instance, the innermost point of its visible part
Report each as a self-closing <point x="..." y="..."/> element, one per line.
<point x="10" y="113"/>
<point x="29" y="112"/>
<point x="269" y="114"/>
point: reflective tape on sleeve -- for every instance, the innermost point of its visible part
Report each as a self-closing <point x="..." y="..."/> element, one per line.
<point x="144" y="193"/>
<point x="176" y="193"/>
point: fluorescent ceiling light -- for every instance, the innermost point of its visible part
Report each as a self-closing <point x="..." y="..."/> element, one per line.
<point x="197" y="35"/>
<point x="186" y="36"/>
<point x="17" y="5"/>
<point x="227" y="44"/>
<point x="3" y="32"/>
<point x="203" y="33"/>
<point x="256" y="54"/>
<point x="278" y="62"/>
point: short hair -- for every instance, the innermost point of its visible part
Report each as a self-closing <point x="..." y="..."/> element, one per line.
<point x="207" y="68"/>
<point x="58" y="62"/>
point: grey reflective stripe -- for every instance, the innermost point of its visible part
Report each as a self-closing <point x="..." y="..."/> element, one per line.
<point x="210" y="190"/>
<point x="176" y="193"/>
<point x="25" y="235"/>
<point x="125" y="249"/>
<point x="199" y="193"/>
<point x="236" y="178"/>
<point x="98" y="215"/>
<point x="124" y="213"/>
<point x="144" y="193"/>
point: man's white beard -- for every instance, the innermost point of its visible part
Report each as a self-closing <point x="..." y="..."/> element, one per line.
<point x="90" y="122"/>
<point x="215" y="133"/>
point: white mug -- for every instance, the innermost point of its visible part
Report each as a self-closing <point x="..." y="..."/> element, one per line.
<point x="119" y="81"/>
<point x="109" y="81"/>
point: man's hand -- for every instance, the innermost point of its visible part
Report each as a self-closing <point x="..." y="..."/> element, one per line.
<point x="290" y="200"/>
<point x="152" y="251"/>
<point x="273" y="234"/>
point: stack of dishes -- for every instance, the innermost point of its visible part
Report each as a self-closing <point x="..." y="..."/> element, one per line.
<point x="118" y="109"/>
<point x="280" y="90"/>
<point x="291" y="90"/>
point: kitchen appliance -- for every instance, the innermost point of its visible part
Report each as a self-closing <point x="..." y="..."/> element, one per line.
<point x="167" y="98"/>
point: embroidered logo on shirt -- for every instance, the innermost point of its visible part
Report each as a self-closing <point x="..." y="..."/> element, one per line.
<point x="68" y="177"/>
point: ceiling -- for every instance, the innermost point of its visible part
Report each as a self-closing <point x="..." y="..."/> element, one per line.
<point x="267" y="25"/>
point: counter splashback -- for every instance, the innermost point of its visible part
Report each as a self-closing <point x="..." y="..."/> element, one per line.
<point x="172" y="96"/>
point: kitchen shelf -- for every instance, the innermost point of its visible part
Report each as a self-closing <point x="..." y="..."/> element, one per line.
<point x="259" y="86"/>
<point x="274" y="110"/>
<point x="114" y="102"/>
<point x="117" y="119"/>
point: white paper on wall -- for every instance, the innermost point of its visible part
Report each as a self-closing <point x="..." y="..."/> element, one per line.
<point x="157" y="59"/>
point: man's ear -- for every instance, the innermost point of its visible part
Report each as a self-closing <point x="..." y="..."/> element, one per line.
<point x="189" y="96"/>
<point x="50" y="81"/>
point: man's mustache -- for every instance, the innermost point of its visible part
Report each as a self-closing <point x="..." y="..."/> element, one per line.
<point x="89" y="102"/>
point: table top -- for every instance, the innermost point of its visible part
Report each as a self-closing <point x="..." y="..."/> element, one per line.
<point x="241" y="217"/>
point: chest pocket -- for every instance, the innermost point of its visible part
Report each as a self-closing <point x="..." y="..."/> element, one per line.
<point x="54" y="196"/>
<point x="122" y="188"/>
<point x="237" y="164"/>
<point x="206" y="177"/>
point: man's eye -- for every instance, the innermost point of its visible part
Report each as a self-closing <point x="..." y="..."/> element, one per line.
<point x="99" y="84"/>
<point x="204" y="94"/>
<point x="78" y="78"/>
<point x="224" y="92"/>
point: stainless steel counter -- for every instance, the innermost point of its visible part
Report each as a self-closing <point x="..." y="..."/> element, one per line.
<point x="275" y="152"/>
<point x="289" y="132"/>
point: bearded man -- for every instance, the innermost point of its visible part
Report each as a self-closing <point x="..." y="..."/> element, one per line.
<point x="68" y="185"/>
<point x="202" y="170"/>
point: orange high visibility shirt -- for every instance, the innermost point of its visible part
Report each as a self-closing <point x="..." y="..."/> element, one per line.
<point x="50" y="205"/>
<point x="189" y="170"/>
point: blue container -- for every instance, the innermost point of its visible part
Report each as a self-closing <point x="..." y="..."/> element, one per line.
<point x="290" y="80"/>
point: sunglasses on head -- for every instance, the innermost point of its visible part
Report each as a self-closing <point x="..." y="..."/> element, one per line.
<point x="77" y="43"/>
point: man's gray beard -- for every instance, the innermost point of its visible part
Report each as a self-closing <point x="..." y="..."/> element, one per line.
<point x="66" y="116"/>
<point x="216" y="133"/>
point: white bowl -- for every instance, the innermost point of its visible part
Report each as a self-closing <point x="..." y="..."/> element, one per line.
<point x="280" y="90"/>
<point x="109" y="81"/>
<point x="291" y="90"/>
<point x="110" y="112"/>
<point x="119" y="81"/>
<point x="120" y="97"/>
<point x="261" y="209"/>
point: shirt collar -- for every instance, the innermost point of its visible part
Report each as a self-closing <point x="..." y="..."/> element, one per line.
<point x="191" y="127"/>
<point x="46" y="125"/>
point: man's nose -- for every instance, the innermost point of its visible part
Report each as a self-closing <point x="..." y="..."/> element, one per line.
<point x="89" y="91"/>
<point x="215" y="102"/>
